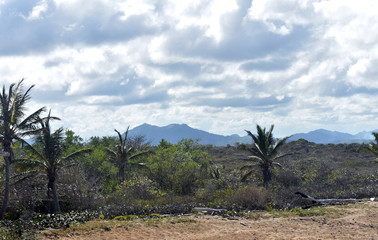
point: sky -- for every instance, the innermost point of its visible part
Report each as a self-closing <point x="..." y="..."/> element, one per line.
<point x="217" y="65"/>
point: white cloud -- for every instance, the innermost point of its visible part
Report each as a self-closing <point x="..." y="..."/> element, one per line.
<point x="130" y="7"/>
<point x="281" y="16"/>
<point x="102" y="99"/>
<point x="37" y="11"/>
<point x="204" y="14"/>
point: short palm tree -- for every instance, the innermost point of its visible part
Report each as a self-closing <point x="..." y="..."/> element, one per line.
<point x="14" y="125"/>
<point x="264" y="154"/>
<point x="48" y="154"/>
<point x="125" y="152"/>
<point x="373" y="147"/>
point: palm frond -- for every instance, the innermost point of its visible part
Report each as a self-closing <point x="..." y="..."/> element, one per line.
<point x="119" y="137"/>
<point x="29" y="163"/>
<point x="15" y="96"/>
<point x="29" y="122"/>
<point x="269" y="137"/>
<point x="375" y="134"/>
<point x="248" y="167"/>
<point x="111" y="152"/>
<point x="277" y="164"/>
<point x="79" y="153"/>
<point x="139" y="154"/>
<point x="279" y="143"/>
<point x="126" y="133"/>
<point x="255" y="158"/>
<point x="140" y="166"/>
<point x="32" y="149"/>
<point x="24" y="176"/>
<point x="245" y="176"/>
<point x="284" y="155"/>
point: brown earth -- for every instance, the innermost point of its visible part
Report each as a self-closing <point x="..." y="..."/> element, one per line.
<point x="358" y="221"/>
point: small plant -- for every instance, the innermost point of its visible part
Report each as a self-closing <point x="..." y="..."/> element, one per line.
<point x="126" y="218"/>
<point x="155" y="215"/>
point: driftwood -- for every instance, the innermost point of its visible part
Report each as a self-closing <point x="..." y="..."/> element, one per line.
<point x="203" y="209"/>
<point x="328" y="201"/>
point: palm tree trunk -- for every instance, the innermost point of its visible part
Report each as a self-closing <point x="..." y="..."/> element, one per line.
<point x="52" y="195"/>
<point x="55" y="195"/>
<point x="267" y="177"/>
<point x="121" y="172"/>
<point x="6" y="188"/>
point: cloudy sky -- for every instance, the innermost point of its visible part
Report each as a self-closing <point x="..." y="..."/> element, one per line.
<point x="217" y="65"/>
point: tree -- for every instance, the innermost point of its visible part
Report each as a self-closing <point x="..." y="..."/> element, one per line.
<point x="97" y="165"/>
<point x="49" y="154"/>
<point x="179" y="167"/>
<point x="373" y="147"/>
<point x="264" y="153"/>
<point x="125" y="151"/>
<point x="14" y="125"/>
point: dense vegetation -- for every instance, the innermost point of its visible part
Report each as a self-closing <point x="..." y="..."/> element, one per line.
<point x="106" y="177"/>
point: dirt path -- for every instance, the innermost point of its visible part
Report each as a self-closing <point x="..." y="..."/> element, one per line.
<point x="360" y="222"/>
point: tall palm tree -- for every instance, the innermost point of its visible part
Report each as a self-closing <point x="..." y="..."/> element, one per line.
<point x="264" y="154"/>
<point x="123" y="153"/>
<point x="14" y="125"/>
<point x="48" y="154"/>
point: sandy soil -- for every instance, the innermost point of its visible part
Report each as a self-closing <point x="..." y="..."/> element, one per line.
<point x="360" y="222"/>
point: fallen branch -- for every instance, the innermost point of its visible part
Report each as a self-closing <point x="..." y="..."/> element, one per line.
<point x="203" y="209"/>
<point x="328" y="201"/>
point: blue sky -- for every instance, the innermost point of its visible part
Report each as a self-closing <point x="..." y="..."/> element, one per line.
<point x="217" y="65"/>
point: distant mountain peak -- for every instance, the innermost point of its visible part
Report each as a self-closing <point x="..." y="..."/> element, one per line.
<point x="175" y="132"/>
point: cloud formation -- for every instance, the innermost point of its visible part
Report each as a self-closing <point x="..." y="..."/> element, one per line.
<point x="221" y="66"/>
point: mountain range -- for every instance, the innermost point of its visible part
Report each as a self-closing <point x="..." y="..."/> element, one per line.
<point x="173" y="133"/>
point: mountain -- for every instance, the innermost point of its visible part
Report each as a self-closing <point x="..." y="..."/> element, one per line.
<point x="173" y="133"/>
<point x="323" y="136"/>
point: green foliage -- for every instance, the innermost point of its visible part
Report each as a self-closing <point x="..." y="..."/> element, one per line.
<point x="156" y="215"/>
<point x="179" y="167"/>
<point x="125" y="218"/>
<point x="96" y="165"/>
<point x="71" y="140"/>
<point x="137" y="188"/>
<point x="310" y="212"/>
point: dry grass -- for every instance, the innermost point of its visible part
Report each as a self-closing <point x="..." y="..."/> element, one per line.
<point x="99" y="225"/>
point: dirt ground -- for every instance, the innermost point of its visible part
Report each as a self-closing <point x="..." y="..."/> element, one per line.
<point x="360" y="221"/>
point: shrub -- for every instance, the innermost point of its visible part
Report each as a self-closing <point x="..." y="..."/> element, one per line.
<point x="137" y="188"/>
<point x="250" y="197"/>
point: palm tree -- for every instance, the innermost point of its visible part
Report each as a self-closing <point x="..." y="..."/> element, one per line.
<point x="14" y="125"/>
<point x="264" y="153"/>
<point x="48" y="154"/>
<point x="124" y="152"/>
<point x="373" y="147"/>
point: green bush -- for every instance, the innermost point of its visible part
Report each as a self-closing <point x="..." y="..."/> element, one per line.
<point x="178" y="168"/>
<point x="137" y="188"/>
